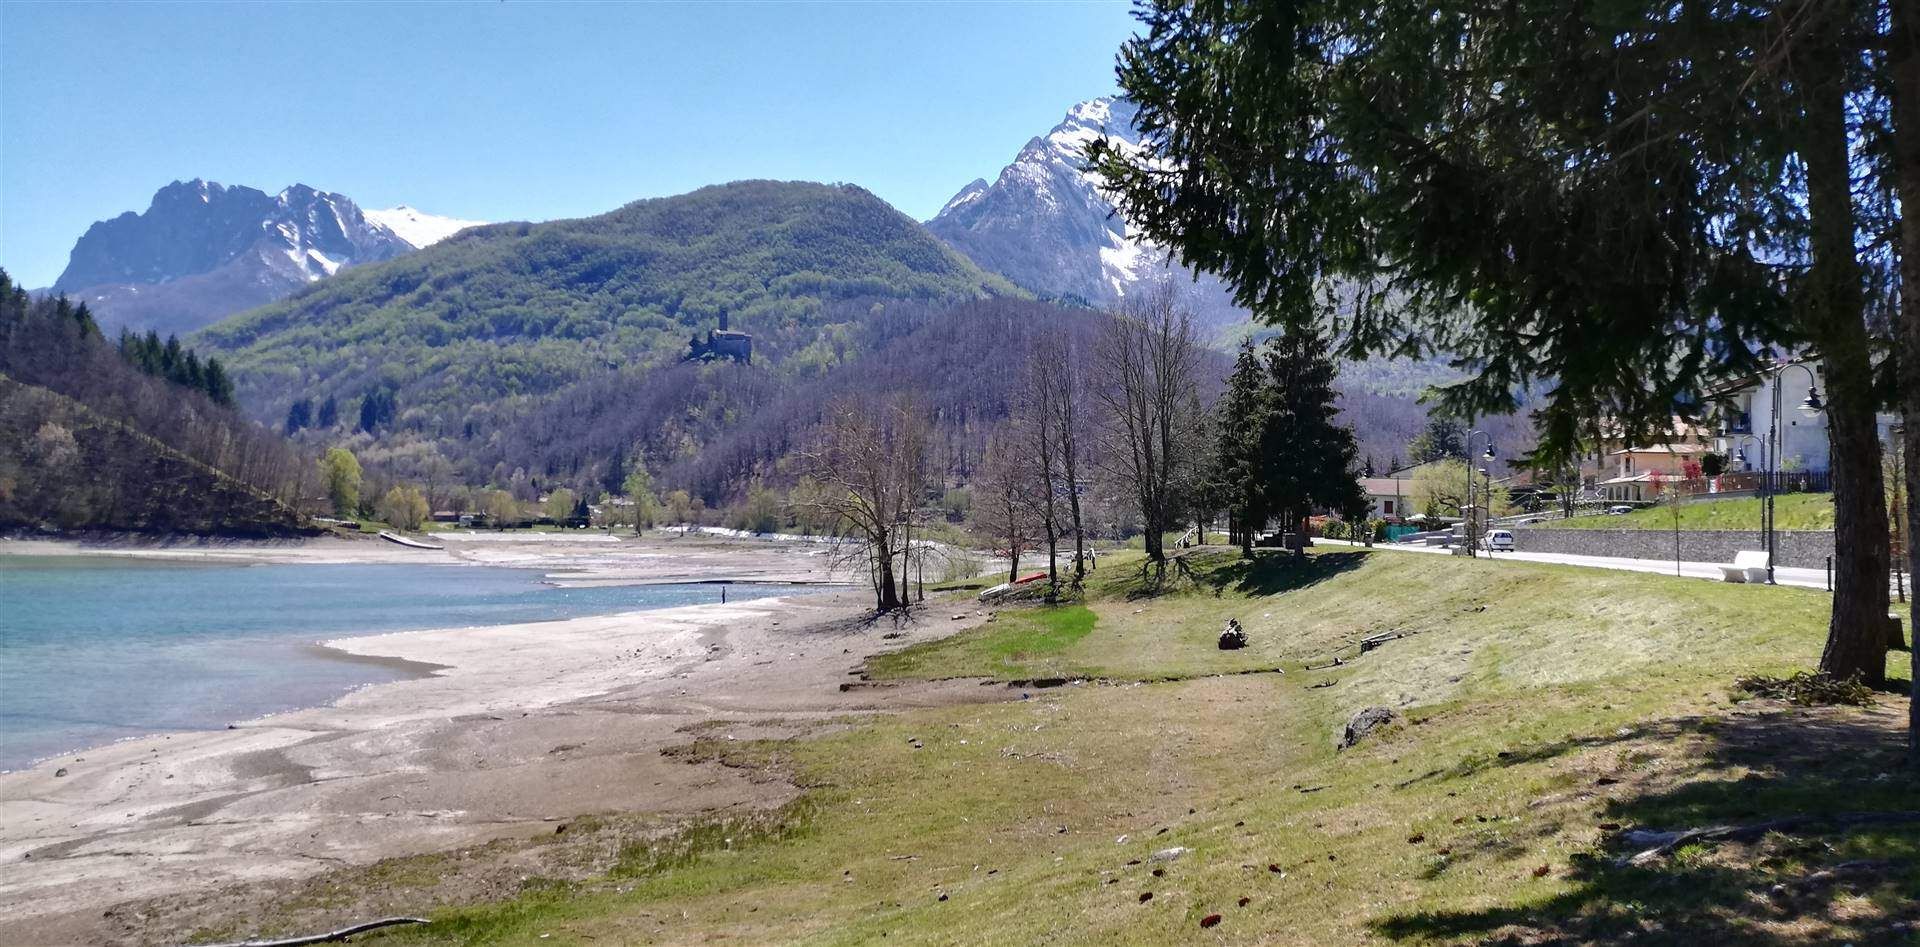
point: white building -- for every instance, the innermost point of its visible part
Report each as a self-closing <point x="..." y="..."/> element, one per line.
<point x="1747" y="408"/>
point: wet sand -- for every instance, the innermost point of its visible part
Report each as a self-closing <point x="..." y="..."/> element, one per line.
<point x="516" y="727"/>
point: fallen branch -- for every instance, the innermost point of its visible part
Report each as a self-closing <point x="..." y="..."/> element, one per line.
<point x="329" y="937"/>
<point x="1368" y="644"/>
<point x="1664" y="842"/>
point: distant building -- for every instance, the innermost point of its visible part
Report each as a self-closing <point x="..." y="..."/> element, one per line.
<point x="1747" y="408"/>
<point x="1640" y="472"/>
<point x="721" y="343"/>
<point x="1389" y="497"/>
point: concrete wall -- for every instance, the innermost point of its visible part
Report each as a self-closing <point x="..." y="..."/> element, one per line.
<point x="1806" y="548"/>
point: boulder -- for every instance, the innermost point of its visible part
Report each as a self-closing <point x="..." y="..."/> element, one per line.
<point x="1365" y="721"/>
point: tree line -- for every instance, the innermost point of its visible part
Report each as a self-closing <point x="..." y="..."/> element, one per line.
<point x="176" y="363"/>
<point x="138" y="397"/>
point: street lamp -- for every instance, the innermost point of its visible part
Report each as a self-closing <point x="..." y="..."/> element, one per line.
<point x="1811" y="406"/>
<point x="1471" y="511"/>
<point x="1762" y="494"/>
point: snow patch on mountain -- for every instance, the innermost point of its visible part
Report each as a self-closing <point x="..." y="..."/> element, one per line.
<point x="203" y="250"/>
<point x="418" y="228"/>
<point x="1047" y="223"/>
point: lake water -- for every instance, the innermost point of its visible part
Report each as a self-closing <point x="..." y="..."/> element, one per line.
<point x="93" y="649"/>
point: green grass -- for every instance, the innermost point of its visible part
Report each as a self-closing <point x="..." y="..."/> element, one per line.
<point x="1021" y="643"/>
<point x="1791" y="511"/>
<point x="1543" y="704"/>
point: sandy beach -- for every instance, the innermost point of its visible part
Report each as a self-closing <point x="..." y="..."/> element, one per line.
<point x="517" y="727"/>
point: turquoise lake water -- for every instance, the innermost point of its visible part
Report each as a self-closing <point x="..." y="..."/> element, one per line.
<point x="93" y="650"/>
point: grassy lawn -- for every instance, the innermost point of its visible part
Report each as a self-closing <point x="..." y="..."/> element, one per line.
<point x="1543" y="709"/>
<point x="1791" y="510"/>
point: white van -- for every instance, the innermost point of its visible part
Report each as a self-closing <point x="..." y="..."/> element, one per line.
<point x="1499" y="540"/>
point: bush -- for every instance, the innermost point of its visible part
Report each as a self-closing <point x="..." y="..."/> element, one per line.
<point x="404" y="508"/>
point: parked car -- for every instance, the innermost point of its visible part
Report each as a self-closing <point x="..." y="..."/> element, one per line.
<point x="1619" y="510"/>
<point x="1499" y="540"/>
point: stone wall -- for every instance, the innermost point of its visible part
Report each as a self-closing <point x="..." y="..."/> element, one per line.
<point x="1805" y="548"/>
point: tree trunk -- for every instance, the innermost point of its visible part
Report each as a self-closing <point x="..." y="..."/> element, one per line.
<point x="1079" y="537"/>
<point x="1906" y="120"/>
<point x="889" y="597"/>
<point x="1856" y="631"/>
<point x="1053" y="557"/>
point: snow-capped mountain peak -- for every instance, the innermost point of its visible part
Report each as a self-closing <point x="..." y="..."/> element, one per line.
<point x="418" y="228"/>
<point x="1046" y="223"/>
<point x="203" y="250"/>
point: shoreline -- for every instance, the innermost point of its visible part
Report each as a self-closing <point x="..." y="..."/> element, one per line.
<point x="506" y="729"/>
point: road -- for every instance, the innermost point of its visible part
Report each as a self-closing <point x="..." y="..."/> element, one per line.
<point x="1782" y="575"/>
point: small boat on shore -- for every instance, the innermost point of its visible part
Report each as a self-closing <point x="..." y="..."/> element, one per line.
<point x="404" y="541"/>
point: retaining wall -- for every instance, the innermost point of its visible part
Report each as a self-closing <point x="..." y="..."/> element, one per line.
<point x="1804" y="548"/>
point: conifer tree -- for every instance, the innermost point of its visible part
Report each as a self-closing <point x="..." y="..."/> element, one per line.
<point x="299" y="415"/>
<point x="1313" y="458"/>
<point x="1238" y="478"/>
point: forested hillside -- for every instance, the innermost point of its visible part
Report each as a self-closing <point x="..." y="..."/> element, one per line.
<point x="533" y="357"/>
<point x="510" y="312"/>
<point x="98" y="436"/>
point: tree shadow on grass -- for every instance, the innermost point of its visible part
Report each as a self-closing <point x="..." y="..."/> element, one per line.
<point x="1811" y="883"/>
<point x="1273" y="571"/>
<point x="1217" y="571"/>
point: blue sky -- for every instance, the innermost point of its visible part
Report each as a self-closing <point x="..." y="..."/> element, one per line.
<point x="518" y="110"/>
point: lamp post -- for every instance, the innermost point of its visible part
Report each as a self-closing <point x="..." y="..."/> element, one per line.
<point x="1741" y="453"/>
<point x="1810" y="406"/>
<point x="1472" y="511"/>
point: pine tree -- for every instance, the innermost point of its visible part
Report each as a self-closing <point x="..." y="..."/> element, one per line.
<point x="329" y="414"/>
<point x="1444" y="437"/>
<point x="299" y="415"/>
<point x="1312" y="456"/>
<point x="219" y="385"/>
<point x="1237" y="480"/>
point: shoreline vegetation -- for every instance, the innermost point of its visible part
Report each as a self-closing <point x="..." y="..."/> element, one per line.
<point x="793" y="769"/>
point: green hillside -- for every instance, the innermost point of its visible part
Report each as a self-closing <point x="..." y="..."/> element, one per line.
<point x="522" y="309"/>
<point x="65" y="466"/>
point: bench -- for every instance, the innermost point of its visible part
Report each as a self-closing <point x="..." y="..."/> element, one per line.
<point x="1749" y="565"/>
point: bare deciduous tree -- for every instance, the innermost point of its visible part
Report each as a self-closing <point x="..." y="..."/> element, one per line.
<point x="1003" y="498"/>
<point x="1035" y="421"/>
<point x="871" y="465"/>
<point x="1148" y="359"/>
<point x="1061" y="377"/>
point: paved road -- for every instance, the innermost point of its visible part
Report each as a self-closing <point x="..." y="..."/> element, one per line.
<point x="1783" y="575"/>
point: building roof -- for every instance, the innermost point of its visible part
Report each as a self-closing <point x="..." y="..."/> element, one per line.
<point x="1661" y="449"/>
<point x="1410" y="468"/>
<point x="1384" y="486"/>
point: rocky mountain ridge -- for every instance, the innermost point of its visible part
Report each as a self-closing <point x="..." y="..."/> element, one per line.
<point x="202" y="251"/>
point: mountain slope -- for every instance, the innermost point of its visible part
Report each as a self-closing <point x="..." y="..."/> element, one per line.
<point x="514" y="311"/>
<point x="1044" y="224"/>
<point x="202" y="251"/>
<point x="91" y="440"/>
<point x="65" y="466"/>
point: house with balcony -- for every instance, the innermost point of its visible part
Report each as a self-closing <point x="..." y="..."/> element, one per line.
<point x="1641" y="474"/>
<point x="1745" y="412"/>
